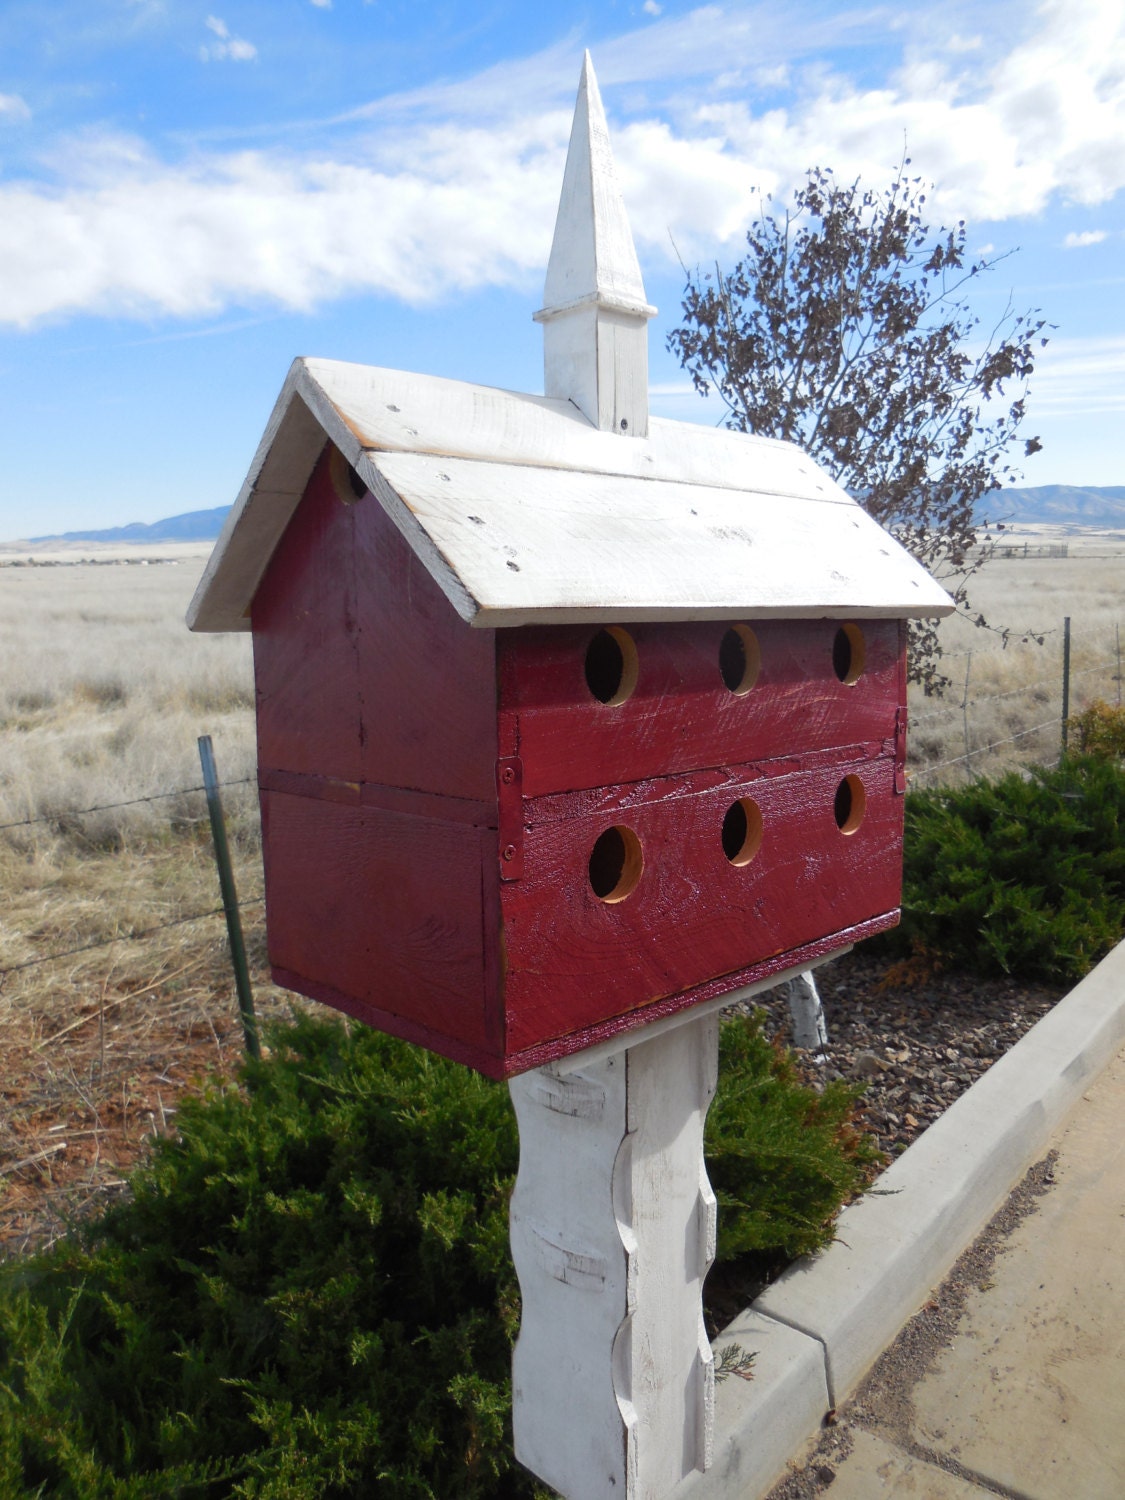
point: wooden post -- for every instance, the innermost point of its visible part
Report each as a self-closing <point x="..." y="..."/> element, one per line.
<point x="613" y="1231"/>
<point x="806" y="1013"/>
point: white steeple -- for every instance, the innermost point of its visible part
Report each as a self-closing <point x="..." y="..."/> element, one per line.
<point x="594" y="314"/>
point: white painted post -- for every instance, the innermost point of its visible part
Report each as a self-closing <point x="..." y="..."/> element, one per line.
<point x="613" y="1231"/>
<point x="810" y="1030"/>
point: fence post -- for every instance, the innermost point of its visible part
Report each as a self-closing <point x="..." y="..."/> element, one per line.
<point x="1066" y="681"/>
<point x="230" y="897"/>
<point x="965" y="710"/>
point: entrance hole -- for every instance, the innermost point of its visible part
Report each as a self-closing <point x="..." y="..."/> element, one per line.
<point x="616" y="863"/>
<point x="742" y="831"/>
<point x="611" y="665"/>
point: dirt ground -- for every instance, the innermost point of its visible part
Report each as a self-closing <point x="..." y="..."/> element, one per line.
<point x="89" y="1080"/>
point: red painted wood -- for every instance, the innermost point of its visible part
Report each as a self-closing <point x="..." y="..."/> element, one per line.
<point x="613" y="1026"/>
<point x="427" y="680"/>
<point x="682" y="715"/>
<point x="364" y="671"/>
<point x="393" y="798"/>
<point x="388" y="910"/>
<point x="574" y="961"/>
<point x="382" y="747"/>
<point x="306" y="663"/>
<point x="489" y="1061"/>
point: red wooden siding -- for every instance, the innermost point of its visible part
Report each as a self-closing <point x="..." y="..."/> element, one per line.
<point x="393" y="913"/>
<point x="681" y="715"/>
<point x="575" y="960"/>
<point x="363" y="670"/>
<point x="427" y="833"/>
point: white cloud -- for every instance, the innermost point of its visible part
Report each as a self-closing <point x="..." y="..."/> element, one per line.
<point x="454" y="186"/>
<point x="1080" y="376"/>
<point x="12" y="107"/>
<point x="227" y="48"/>
<point x="322" y="4"/>
<point x="1085" y="237"/>
<point x="134" y="236"/>
<point x="651" y="8"/>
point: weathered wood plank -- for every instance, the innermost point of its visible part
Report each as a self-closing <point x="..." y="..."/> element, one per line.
<point x="722" y="990"/>
<point x="386" y="912"/>
<point x="682" y="715"/>
<point x="400" y="411"/>
<point x="363" y="670"/>
<point x="528" y="545"/>
<point x="574" y="959"/>
<point x="613" y="1228"/>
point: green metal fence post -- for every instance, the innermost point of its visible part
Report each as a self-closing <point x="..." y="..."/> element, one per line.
<point x="1066" y="681"/>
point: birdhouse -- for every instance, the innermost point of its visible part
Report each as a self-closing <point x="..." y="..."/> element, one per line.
<point x="568" y="719"/>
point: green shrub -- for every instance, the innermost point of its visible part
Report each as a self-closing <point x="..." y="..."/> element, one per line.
<point x="1021" y="876"/>
<point x="782" y="1158"/>
<point x="310" y="1293"/>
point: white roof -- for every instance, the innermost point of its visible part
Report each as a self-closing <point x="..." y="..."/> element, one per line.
<point x="525" y="512"/>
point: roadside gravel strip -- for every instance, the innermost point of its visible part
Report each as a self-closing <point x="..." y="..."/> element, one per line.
<point x="915" y="1047"/>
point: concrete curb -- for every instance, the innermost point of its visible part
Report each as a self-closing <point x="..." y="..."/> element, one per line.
<point x="841" y="1309"/>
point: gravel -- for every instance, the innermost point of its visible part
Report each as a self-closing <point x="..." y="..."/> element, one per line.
<point x="915" y="1043"/>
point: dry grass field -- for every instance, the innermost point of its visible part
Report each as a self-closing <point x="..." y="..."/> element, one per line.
<point x="1004" y="704"/>
<point x="103" y="693"/>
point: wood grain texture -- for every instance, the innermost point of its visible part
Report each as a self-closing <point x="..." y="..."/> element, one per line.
<point x="681" y="715"/>
<point x="397" y="411"/>
<point x="592" y="253"/>
<point x="574" y="960"/>
<point x="306" y="643"/>
<point x="556" y="546"/>
<point x="613" y="1229"/>
<point x="262" y="510"/>
<point x="607" y="1033"/>
<point x="363" y="671"/>
<point x="388" y="912"/>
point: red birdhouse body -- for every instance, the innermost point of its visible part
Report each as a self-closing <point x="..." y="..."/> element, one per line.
<point x="567" y="719"/>
<point x="507" y="844"/>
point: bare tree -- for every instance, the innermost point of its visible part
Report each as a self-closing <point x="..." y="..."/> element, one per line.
<point x="846" y="329"/>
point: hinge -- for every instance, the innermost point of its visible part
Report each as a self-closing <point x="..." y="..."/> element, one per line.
<point x="509" y="793"/>
<point x="900" y="751"/>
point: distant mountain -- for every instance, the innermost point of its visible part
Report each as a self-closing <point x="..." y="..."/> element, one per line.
<point x="1059" y="505"/>
<point x="1042" y="504"/>
<point x="195" y="526"/>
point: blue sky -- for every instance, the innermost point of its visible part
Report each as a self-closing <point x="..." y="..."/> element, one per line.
<point x="193" y="194"/>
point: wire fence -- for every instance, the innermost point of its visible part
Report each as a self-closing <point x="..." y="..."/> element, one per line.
<point x="61" y="817"/>
<point x="82" y="812"/>
<point x="975" y="733"/>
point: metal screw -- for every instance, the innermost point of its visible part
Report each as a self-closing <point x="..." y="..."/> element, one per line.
<point x="507" y="776"/>
<point x="509" y="851"/>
